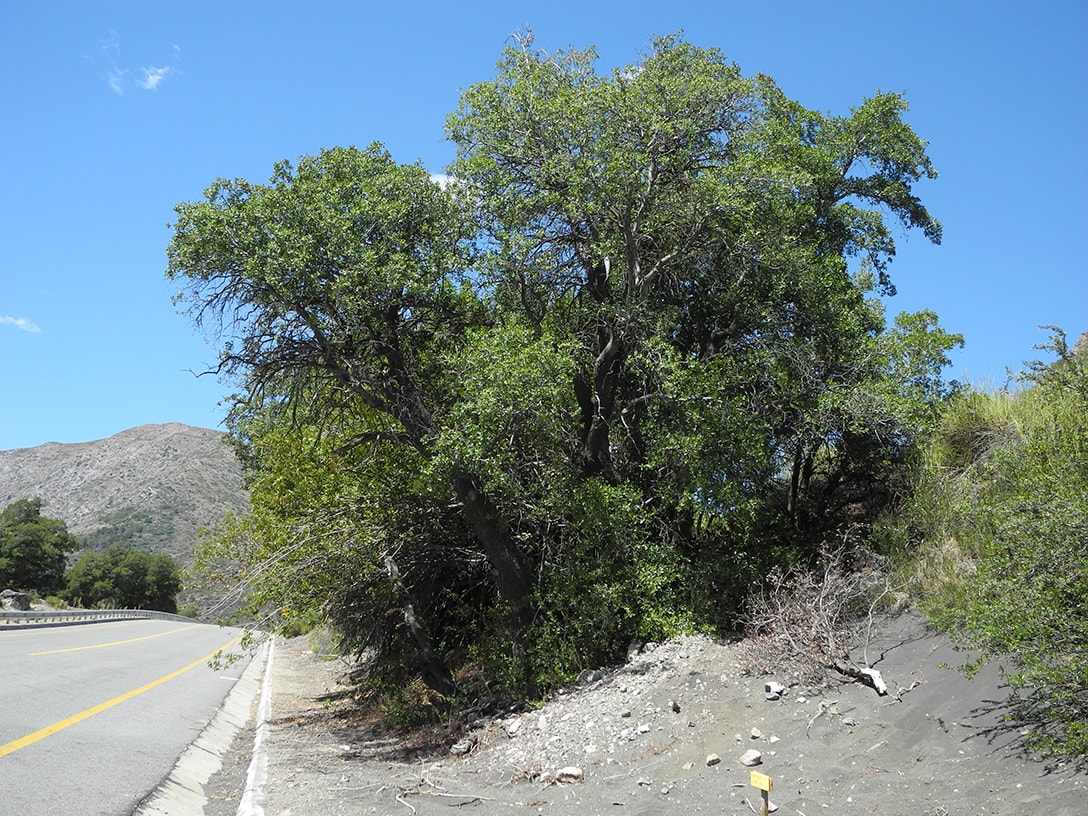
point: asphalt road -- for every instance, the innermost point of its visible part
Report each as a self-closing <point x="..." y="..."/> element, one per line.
<point x="93" y="717"/>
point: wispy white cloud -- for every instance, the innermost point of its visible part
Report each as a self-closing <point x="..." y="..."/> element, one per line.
<point x="115" y="78"/>
<point x="109" y="50"/>
<point x="110" y="45"/>
<point x="19" y="323"/>
<point x="153" y="76"/>
<point x="119" y="78"/>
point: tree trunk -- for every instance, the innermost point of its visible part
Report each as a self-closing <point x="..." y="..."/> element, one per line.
<point x="598" y="404"/>
<point x="436" y="673"/>
<point x="512" y="577"/>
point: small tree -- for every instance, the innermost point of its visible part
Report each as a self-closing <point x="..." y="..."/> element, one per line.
<point x="33" y="549"/>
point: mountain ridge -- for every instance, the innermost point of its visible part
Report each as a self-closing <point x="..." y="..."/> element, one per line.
<point x="153" y="486"/>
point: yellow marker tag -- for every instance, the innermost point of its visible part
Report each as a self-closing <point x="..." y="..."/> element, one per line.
<point x="761" y="781"/>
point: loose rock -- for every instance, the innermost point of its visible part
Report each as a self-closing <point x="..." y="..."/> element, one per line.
<point x="11" y="599"/>
<point x="751" y="758"/>
<point x="569" y="775"/>
<point x="464" y="746"/>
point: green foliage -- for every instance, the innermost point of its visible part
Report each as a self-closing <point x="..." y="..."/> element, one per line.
<point x="33" y="549"/>
<point x="589" y="390"/>
<point x="998" y="535"/>
<point x="122" y="577"/>
<point x="132" y="527"/>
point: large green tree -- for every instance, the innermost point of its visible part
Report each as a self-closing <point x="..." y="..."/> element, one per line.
<point x="676" y="208"/>
<point x="33" y="548"/>
<point x="582" y="390"/>
<point x="122" y="577"/>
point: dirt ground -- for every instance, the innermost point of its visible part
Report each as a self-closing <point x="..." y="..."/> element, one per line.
<point x="644" y="738"/>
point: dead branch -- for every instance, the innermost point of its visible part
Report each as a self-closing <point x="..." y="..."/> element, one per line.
<point x="803" y="624"/>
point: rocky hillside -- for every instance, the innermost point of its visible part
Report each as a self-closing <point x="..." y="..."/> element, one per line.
<point x="154" y="486"/>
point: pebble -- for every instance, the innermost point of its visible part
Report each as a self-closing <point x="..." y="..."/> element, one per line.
<point x="712" y="759"/>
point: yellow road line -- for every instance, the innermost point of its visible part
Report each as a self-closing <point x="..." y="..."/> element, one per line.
<point x="13" y="630"/>
<point x="113" y="643"/>
<point x="60" y="725"/>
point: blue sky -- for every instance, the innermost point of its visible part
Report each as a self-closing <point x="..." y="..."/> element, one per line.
<point x="113" y="112"/>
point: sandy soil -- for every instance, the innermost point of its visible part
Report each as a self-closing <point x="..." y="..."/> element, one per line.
<point x="642" y="736"/>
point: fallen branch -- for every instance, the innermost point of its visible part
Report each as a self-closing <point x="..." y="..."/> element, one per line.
<point x="867" y="676"/>
<point x="901" y="691"/>
<point x="805" y="623"/>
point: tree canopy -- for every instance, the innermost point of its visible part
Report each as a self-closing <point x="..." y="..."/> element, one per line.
<point x="123" y="577"/>
<point x="33" y="548"/>
<point x="630" y="354"/>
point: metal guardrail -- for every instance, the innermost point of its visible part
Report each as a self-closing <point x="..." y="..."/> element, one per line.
<point x="11" y="618"/>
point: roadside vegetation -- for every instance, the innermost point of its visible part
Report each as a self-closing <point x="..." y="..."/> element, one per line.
<point x="628" y="359"/>
<point x="993" y="540"/>
<point x="34" y="555"/>
<point x="122" y="577"/>
<point x="33" y="550"/>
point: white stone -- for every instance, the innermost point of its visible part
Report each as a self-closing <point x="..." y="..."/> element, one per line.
<point x="751" y="758"/>
<point x="463" y="746"/>
<point x="569" y="775"/>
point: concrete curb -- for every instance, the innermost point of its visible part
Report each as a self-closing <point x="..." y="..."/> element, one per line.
<point x="253" y="795"/>
<point x="182" y="792"/>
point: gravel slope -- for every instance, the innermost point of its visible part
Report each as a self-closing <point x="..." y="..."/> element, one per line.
<point x="641" y="736"/>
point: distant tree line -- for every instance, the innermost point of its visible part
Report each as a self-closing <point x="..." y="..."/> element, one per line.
<point x="34" y="552"/>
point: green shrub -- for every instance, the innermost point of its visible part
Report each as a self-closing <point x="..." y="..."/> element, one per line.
<point x="996" y="541"/>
